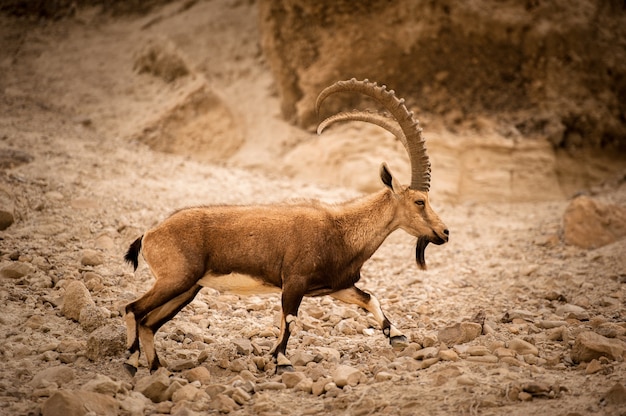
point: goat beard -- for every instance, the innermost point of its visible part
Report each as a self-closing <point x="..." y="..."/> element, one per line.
<point x="420" y="247"/>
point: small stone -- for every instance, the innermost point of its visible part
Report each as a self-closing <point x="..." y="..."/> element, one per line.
<point x="243" y="346"/>
<point x="616" y="395"/>
<point x="102" y="384"/>
<point x="459" y="333"/>
<point x="290" y="379"/>
<point x="58" y="374"/>
<point x="329" y="354"/>
<point x="16" y="270"/>
<point x="188" y="392"/>
<point x="272" y="385"/>
<point x="76" y="298"/>
<point x="200" y="374"/>
<point x="90" y="257"/>
<point x="154" y="385"/>
<point x="240" y="396"/>
<point x="306" y="385"/>
<point x="67" y="402"/>
<point x="92" y="317"/>
<point x="569" y="311"/>
<point x="448" y="355"/>
<point x="424" y="353"/>
<point x="465" y="380"/>
<point x="182" y="364"/>
<point x="550" y="324"/>
<point x="301" y="358"/>
<point x="524" y="396"/>
<point x="593" y="367"/>
<point x="478" y="350"/>
<point x="589" y="346"/>
<point x="106" y="341"/>
<point x="523" y="347"/>
<point x="135" y="403"/>
<point x="317" y="389"/>
<point x="487" y="359"/>
<point x="383" y="376"/>
<point x="223" y="404"/>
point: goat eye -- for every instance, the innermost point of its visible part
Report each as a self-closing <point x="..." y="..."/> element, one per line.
<point x="419" y="203"/>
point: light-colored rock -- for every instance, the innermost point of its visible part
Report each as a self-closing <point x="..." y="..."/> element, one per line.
<point x="329" y="354"/>
<point x="448" y="355"/>
<point x="154" y="385"/>
<point x="90" y="257"/>
<point x="102" y="384"/>
<point x="223" y="404"/>
<point x="522" y="347"/>
<point x="290" y="379"/>
<point x="58" y="374"/>
<point x="135" y="403"/>
<point x="106" y="341"/>
<point x="188" y="392"/>
<point x="589" y="346"/>
<point x="16" y="270"/>
<point x="459" y="333"/>
<point x="76" y="297"/>
<point x="200" y="374"/>
<point x="616" y="396"/>
<point x="589" y="223"/>
<point x="301" y="358"/>
<point x="92" y="317"/>
<point x="75" y="403"/>
<point x="345" y="375"/>
<point x="243" y="346"/>
<point x="569" y="311"/>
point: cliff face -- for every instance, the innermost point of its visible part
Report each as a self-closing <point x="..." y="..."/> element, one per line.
<point x="552" y="70"/>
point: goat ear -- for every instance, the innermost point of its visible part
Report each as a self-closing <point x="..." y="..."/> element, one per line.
<point x="388" y="179"/>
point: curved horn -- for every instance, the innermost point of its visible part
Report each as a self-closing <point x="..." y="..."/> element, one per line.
<point x="413" y="139"/>
<point x="375" y="118"/>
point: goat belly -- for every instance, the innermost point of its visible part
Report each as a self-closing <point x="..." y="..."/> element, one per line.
<point x="241" y="284"/>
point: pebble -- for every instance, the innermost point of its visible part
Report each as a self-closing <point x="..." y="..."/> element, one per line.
<point x="154" y="385"/>
<point x="243" y="346"/>
<point x="459" y="333"/>
<point x="102" y="384"/>
<point x="272" y="385"/>
<point x="16" y="270"/>
<point x="569" y="311"/>
<point x="106" y="341"/>
<point x="522" y="347"/>
<point x="92" y="317"/>
<point x="200" y="374"/>
<point x="290" y="379"/>
<point x="68" y="402"/>
<point x="90" y="257"/>
<point x="345" y="375"/>
<point x="590" y="345"/>
<point x="76" y="297"/>
<point x="60" y="375"/>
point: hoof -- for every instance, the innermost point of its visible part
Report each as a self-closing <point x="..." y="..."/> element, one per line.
<point x="399" y="342"/>
<point x="131" y="369"/>
<point x="284" y="368"/>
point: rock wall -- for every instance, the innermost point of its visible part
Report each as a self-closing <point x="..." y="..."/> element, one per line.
<point x="548" y="69"/>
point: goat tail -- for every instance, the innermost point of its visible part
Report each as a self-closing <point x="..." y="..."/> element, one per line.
<point x="132" y="255"/>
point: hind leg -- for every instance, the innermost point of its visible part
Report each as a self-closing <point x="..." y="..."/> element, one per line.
<point x="147" y="314"/>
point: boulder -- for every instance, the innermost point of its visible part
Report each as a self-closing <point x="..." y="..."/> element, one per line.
<point x="588" y="223"/>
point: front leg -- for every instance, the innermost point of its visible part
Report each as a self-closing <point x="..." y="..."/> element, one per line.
<point x="369" y="302"/>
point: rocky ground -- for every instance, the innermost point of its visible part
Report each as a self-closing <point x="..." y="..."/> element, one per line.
<point x="509" y="318"/>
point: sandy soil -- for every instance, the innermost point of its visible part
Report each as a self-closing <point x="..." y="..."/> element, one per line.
<point x="74" y="107"/>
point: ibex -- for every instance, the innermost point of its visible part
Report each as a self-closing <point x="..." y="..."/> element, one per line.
<point x="298" y="249"/>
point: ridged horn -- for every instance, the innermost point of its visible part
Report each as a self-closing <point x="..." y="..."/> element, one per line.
<point x="410" y="134"/>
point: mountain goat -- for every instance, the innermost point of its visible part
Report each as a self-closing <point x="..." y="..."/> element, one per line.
<point x="296" y="249"/>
